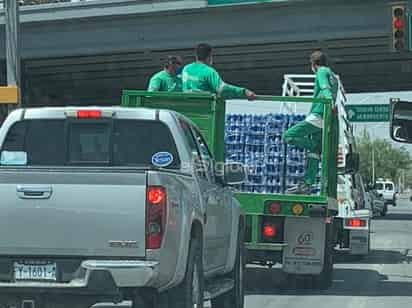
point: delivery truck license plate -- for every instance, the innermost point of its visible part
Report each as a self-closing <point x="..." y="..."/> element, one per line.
<point x="45" y="271"/>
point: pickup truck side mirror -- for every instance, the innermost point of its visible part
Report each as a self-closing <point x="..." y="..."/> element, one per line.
<point x="234" y="174"/>
<point x="401" y="120"/>
<point x="352" y="162"/>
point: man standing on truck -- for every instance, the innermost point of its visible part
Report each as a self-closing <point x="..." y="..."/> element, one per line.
<point x="307" y="134"/>
<point x="168" y="79"/>
<point x="200" y="76"/>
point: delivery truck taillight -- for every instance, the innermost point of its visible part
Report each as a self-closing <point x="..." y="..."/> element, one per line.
<point x="269" y="230"/>
<point x="156" y="206"/>
<point x="355" y="222"/>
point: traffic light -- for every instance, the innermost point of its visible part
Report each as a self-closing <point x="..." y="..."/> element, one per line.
<point x="399" y="29"/>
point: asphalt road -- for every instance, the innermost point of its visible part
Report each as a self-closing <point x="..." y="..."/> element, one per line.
<point x="382" y="279"/>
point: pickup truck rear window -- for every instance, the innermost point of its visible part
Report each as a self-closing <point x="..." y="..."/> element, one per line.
<point x="96" y="142"/>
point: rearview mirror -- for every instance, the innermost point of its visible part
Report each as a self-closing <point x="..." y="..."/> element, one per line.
<point x="352" y="162"/>
<point x="234" y="174"/>
<point x="401" y="121"/>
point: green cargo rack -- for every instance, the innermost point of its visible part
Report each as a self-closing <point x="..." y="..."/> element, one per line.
<point x="205" y="110"/>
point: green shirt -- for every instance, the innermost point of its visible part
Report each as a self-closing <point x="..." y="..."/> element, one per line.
<point x="200" y="77"/>
<point x="326" y="86"/>
<point x="163" y="81"/>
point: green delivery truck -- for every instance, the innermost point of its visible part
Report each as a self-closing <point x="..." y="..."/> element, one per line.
<point x="297" y="231"/>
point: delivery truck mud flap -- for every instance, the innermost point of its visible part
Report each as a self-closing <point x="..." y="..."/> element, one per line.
<point x="359" y="242"/>
<point x="306" y="245"/>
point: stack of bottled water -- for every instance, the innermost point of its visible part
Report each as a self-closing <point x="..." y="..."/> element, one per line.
<point x="234" y="138"/>
<point x="256" y="141"/>
<point x="255" y="127"/>
<point x="295" y="157"/>
<point x="276" y="124"/>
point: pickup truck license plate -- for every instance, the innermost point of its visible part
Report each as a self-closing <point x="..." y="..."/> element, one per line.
<point x="35" y="271"/>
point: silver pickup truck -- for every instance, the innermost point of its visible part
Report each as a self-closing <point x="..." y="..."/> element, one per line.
<point x="112" y="204"/>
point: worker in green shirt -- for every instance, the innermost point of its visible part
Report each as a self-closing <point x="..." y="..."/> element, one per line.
<point x="307" y="134"/>
<point x="168" y="79"/>
<point x="200" y="76"/>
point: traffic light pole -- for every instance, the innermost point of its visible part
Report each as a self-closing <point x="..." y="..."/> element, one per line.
<point x="12" y="42"/>
<point x="10" y="95"/>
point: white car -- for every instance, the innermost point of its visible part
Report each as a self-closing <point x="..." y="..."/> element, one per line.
<point x="387" y="189"/>
<point x="378" y="204"/>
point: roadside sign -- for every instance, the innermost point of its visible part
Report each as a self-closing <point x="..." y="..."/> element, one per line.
<point x="368" y="113"/>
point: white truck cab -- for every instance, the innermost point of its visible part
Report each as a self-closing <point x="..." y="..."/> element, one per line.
<point x="387" y="189"/>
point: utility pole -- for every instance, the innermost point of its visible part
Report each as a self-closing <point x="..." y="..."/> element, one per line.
<point x="11" y="10"/>
<point x="10" y="95"/>
<point x="373" y="166"/>
<point x="403" y="180"/>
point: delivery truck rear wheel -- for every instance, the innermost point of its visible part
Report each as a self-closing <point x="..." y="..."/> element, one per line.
<point x="236" y="296"/>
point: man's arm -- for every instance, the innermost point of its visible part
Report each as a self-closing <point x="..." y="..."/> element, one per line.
<point x="223" y="89"/>
<point x="179" y="84"/>
<point x="154" y="84"/>
<point x="324" y="80"/>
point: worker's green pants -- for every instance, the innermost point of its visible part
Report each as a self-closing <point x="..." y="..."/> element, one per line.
<point x="309" y="137"/>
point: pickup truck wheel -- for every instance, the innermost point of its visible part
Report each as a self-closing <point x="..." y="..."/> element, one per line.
<point x="235" y="297"/>
<point x="189" y="294"/>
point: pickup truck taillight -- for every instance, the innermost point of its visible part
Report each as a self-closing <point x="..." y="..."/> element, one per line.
<point x="156" y="201"/>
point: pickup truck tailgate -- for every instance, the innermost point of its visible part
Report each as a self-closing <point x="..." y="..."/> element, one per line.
<point x="72" y="213"/>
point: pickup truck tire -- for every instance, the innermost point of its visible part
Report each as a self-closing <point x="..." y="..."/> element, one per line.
<point x="235" y="298"/>
<point x="324" y="280"/>
<point x="181" y="296"/>
<point x="189" y="293"/>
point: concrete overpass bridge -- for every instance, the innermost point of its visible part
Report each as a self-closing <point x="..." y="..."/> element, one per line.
<point x="81" y="53"/>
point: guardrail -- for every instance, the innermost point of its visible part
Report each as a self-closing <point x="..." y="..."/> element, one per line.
<point x="47" y="10"/>
<point x="36" y="2"/>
